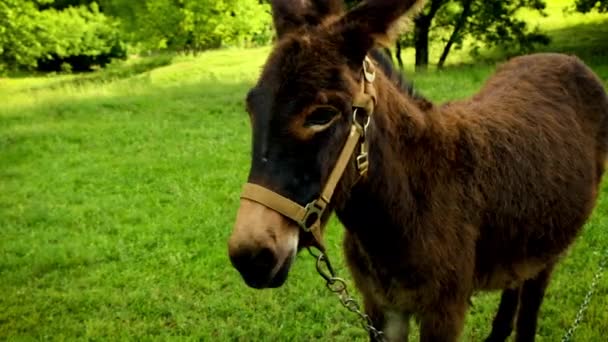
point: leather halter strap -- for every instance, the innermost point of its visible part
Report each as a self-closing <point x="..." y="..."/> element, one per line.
<point x="309" y="217"/>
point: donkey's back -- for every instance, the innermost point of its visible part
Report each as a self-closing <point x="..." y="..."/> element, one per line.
<point x="538" y="133"/>
<point x="560" y="85"/>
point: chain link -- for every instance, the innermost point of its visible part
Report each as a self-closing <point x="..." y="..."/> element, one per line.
<point x="581" y="311"/>
<point x="338" y="286"/>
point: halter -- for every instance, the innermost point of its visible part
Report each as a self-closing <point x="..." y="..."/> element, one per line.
<point x="309" y="216"/>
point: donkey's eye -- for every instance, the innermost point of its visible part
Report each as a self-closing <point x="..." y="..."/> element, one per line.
<point x="321" y="116"/>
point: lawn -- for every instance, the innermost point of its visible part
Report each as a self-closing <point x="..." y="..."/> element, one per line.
<point x="118" y="191"/>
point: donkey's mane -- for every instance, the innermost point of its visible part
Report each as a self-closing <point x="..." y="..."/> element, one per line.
<point x="395" y="75"/>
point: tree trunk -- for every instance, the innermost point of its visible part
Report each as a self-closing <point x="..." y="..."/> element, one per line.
<point x="421" y="43"/>
<point x="398" y="55"/>
<point x="462" y="20"/>
<point x="421" y="34"/>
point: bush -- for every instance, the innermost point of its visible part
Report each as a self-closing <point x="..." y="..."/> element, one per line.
<point x="194" y="25"/>
<point x="19" y="39"/>
<point x="81" y="37"/>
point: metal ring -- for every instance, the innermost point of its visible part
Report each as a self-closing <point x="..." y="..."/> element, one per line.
<point x="328" y="273"/>
<point x="337" y="285"/>
<point x="367" y="121"/>
<point x="312" y="208"/>
<point x="370" y="75"/>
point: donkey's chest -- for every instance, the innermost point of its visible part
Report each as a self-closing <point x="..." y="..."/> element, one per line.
<point x="389" y="283"/>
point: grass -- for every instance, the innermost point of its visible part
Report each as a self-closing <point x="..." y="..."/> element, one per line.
<point x="118" y="191"/>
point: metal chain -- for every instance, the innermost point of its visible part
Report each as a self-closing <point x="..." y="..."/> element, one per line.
<point x="581" y="311"/>
<point x="338" y="286"/>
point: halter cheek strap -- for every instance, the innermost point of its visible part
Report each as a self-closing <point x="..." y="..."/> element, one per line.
<point x="309" y="217"/>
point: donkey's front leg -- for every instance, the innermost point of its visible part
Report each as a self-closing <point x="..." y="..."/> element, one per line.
<point x="375" y="314"/>
<point x="444" y="321"/>
<point x="396" y="326"/>
<point x="393" y="324"/>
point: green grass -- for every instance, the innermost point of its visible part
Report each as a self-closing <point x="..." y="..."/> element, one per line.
<point x="118" y="191"/>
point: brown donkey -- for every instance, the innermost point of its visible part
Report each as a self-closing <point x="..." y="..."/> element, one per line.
<point x="438" y="201"/>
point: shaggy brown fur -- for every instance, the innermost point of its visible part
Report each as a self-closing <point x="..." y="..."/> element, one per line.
<point x="492" y="191"/>
<point x="481" y="194"/>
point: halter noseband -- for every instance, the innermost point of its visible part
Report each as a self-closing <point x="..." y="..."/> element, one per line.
<point x="309" y="217"/>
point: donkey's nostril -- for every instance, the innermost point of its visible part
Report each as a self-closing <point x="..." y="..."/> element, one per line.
<point x="255" y="265"/>
<point x="264" y="259"/>
<point x="246" y="258"/>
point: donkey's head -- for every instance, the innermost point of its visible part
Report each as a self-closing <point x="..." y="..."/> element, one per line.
<point x="301" y="113"/>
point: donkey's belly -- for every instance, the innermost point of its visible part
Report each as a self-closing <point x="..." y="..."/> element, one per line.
<point x="510" y="276"/>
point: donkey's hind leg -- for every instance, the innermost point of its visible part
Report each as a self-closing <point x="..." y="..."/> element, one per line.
<point x="502" y="326"/>
<point x="532" y="293"/>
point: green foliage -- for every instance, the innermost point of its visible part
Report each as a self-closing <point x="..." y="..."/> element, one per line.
<point x="79" y="36"/>
<point x="585" y="6"/>
<point x="230" y="22"/>
<point x="192" y="25"/>
<point x="63" y="4"/>
<point x="494" y="22"/>
<point x="486" y="22"/>
<point x="19" y="39"/>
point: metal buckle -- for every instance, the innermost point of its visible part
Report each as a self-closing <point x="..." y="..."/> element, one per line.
<point x="362" y="163"/>
<point x="312" y="215"/>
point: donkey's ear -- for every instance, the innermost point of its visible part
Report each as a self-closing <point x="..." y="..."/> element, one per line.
<point x="290" y="15"/>
<point x="373" y="22"/>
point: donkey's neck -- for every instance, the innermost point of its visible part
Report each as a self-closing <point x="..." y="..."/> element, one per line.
<point x="404" y="133"/>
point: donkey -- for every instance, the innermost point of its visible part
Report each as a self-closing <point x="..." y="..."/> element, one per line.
<point x="437" y="201"/>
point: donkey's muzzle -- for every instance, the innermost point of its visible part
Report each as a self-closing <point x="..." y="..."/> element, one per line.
<point x="255" y="265"/>
<point x="263" y="245"/>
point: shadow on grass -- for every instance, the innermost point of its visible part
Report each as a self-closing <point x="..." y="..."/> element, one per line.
<point x="115" y="71"/>
<point x="588" y="41"/>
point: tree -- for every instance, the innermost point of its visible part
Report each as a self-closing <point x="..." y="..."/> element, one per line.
<point x="422" y="30"/>
<point x="585" y="6"/>
<point x="212" y="23"/>
<point x="19" y="43"/>
<point x="457" y="31"/>
<point x="191" y="25"/>
<point x="79" y="38"/>
<point x="489" y="22"/>
<point x="63" y="4"/>
<point x="73" y="38"/>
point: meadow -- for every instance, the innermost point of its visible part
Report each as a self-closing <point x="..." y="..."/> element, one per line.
<point x="118" y="191"/>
